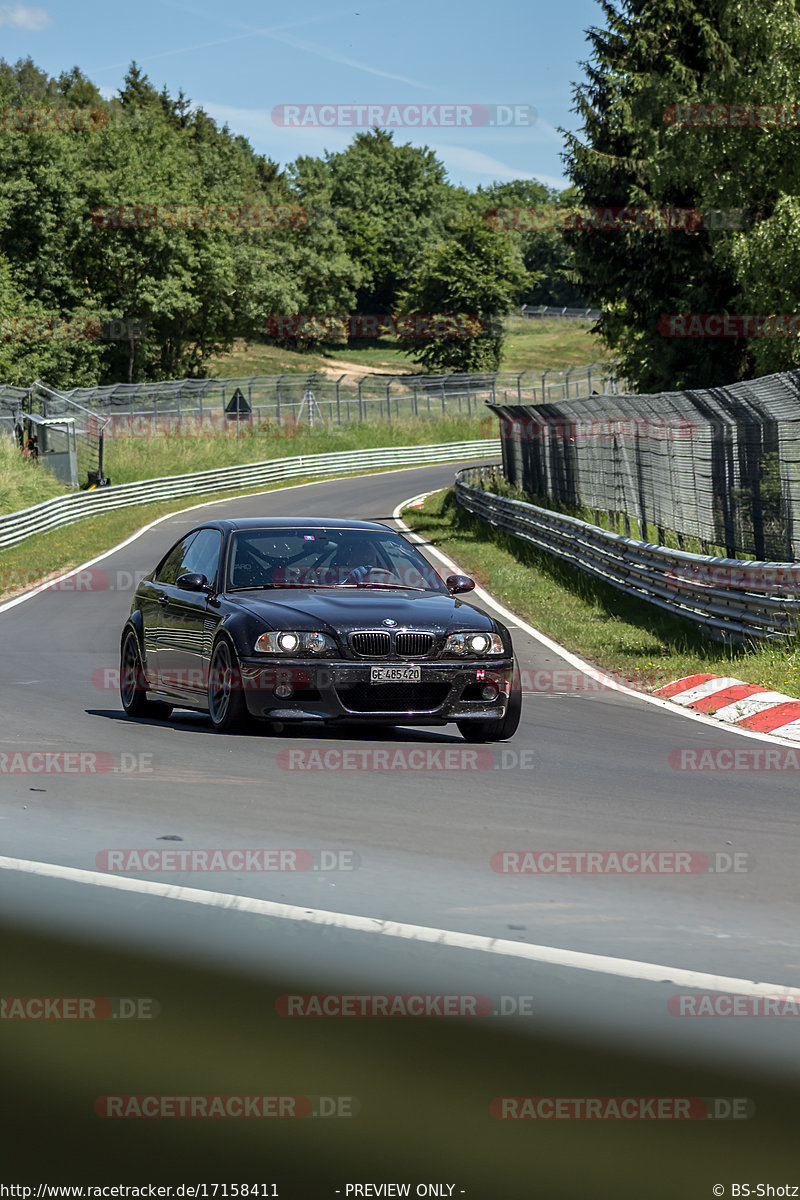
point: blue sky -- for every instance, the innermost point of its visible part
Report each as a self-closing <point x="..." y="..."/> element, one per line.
<point x="240" y="61"/>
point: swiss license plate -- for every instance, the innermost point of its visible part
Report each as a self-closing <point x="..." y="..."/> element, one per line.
<point x="394" y="675"/>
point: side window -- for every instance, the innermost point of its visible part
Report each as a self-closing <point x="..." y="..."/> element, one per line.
<point x="172" y="566"/>
<point x="203" y="556"/>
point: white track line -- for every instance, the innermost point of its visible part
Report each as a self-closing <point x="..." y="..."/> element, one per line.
<point x="290" y="487"/>
<point x="625" y="968"/>
<point x="514" y="619"/>
<point x="622" y="967"/>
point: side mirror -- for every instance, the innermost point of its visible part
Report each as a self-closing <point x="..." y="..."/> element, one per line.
<point x="459" y="583"/>
<point x="192" y="583"/>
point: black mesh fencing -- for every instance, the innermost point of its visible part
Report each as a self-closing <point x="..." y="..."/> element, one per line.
<point x="721" y="466"/>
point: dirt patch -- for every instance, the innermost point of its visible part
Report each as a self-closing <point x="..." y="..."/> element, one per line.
<point x="337" y="367"/>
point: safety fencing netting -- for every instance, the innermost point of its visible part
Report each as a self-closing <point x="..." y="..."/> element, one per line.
<point x="721" y="466"/>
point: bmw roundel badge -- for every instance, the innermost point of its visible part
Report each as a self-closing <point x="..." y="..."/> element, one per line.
<point x="389" y="621"/>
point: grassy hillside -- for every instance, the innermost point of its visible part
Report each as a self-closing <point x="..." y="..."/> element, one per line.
<point x="529" y="344"/>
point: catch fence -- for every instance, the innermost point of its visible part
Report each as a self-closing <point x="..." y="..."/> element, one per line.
<point x="221" y="406"/>
<point x="721" y="466"/>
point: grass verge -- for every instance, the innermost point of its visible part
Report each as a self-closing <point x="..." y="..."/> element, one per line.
<point x="47" y="555"/>
<point x="617" y="632"/>
<point x="23" y="482"/>
<point x="129" y="459"/>
<point x="529" y="344"/>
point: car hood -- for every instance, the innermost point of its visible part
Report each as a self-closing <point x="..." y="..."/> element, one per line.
<point x="365" y="608"/>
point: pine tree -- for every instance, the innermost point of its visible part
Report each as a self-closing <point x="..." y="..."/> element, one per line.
<point x="652" y="56"/>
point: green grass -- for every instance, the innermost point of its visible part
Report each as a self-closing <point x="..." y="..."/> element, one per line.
<point x="127" y="459"/>
<point x="529" y="345"/>
<point x="23" y="482"/>
<point x="630" y="637"/>
<point x="46" y="555"/>
<point x="612" y="522"/>
<point x="130" y="459"/>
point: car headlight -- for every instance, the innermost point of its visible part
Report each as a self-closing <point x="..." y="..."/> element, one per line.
<point x="288" y="641"/>
<point x="478" y="645"/>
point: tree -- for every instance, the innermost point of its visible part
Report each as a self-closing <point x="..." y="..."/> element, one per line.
<point x="515" y="206"/>
<point x="649" y="57"/>
<point x="475" y="275"/>
<point x="389" y="202"/>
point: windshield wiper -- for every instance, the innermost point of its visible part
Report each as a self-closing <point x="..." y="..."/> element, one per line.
<point x="392" y="587"/>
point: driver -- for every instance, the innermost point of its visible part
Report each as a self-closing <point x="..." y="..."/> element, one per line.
<point x="354" y="560"/>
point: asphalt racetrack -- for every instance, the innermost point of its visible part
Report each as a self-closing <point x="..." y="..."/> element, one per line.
<point x="403" y="885"/>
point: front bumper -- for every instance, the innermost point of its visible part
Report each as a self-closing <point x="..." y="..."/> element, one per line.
<point x="341" y="690"/>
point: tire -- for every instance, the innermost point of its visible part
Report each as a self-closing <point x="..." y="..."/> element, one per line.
<point x="501" y="729"/>
<point x="132" y="684"/>
<point x="226" y="703"/>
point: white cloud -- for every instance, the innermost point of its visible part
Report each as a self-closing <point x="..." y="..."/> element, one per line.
<point x="19" y="16"/>
<point x="334" y="56"/>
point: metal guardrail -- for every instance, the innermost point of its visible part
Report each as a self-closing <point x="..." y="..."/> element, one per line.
<point x="64" y="510"/>
<point x="732" y="599"/>
<point x="548" y="312"/>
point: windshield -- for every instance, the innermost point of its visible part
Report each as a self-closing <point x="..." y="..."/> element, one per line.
<point x="329" y="558"/>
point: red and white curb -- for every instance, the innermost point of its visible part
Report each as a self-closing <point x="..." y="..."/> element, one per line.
<point x="744" y="704"/>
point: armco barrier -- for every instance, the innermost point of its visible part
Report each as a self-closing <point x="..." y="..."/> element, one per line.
<point x="64" y="510"/>
<point x="732" y="599"/>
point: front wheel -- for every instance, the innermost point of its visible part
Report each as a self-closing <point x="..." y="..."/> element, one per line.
<point x="226" y="703"/>
<point x="133" y="685"/>
<point x="501" y="729"/>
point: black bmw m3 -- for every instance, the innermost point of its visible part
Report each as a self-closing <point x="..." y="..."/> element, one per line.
<point x="315" y="620"/>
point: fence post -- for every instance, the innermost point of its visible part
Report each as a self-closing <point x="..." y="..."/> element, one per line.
<point x="278" y="398"/>
<point x="338" y="401"/>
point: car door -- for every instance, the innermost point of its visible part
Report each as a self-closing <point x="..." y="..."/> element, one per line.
<point x="189" y="621"/>
<point x="153" y="601"/>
